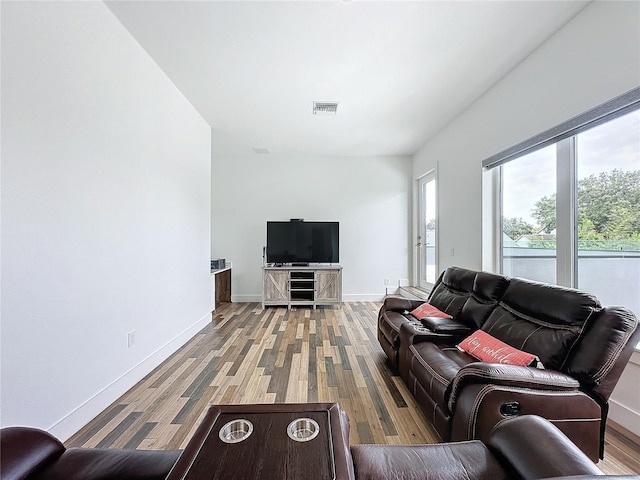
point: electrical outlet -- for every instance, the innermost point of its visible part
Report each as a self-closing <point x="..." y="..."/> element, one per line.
<point x="453" y="252"/>
<point x="387" y="281"/>
<point x="131" y="338"/>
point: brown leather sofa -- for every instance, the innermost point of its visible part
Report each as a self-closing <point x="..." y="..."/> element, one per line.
<point x="583" y="346"/>
<point x="32" y="454"/>
<point x="526" y="447"/>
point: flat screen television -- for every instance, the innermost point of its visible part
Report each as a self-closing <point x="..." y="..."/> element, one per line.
<point x="300" y="242"/>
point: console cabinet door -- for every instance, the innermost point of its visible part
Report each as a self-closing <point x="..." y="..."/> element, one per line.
<point x="275" y="286"/>
<point x="328" y="286"/>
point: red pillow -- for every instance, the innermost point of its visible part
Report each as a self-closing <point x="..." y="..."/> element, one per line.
<point x="486" y="348"/>
<point x="427" y="310"/>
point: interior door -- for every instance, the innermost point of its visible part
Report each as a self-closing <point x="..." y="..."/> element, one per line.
<point x="427" y="230"/>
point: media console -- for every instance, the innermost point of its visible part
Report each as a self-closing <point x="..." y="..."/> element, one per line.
<point x="310" y="285"/>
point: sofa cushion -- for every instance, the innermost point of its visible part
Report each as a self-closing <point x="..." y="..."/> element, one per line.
<point x="426" y="310"/>
<point x="542" y="319"/>
<point x="486" y="348"/>
<point x="488" y="289"/>
<point x="450" y="294"/>
<point x="468" y="295"/>
<point x="490" y="286"/>
<point x="471" y="460"/>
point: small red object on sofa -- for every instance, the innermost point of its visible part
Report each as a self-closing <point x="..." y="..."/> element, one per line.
<point x="427" y="310"/>
<point x="486" y="348"/>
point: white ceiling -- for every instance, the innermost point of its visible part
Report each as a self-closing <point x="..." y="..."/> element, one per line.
<point x="400" y="70"/>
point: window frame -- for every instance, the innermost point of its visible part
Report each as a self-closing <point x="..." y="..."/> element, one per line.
<point x="564" y="137"/>
<point x="605" y="112"/>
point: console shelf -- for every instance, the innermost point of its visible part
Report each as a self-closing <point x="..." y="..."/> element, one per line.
<point x="313" y="285"/>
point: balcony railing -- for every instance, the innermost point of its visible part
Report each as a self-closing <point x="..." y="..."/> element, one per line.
<point x="612" y="275"/>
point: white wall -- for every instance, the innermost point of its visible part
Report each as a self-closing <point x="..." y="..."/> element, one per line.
<point x="594" y="58"/>
<point x="369" y="196"/>
<point x="105" y="214"/>
<point x="624" y="404"/>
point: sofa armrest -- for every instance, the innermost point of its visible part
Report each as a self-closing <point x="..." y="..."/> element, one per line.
<point x="472" y="460"/>
<point x="400" y="304"/>
<point x="446" y="325"/>
<point x="416" y="332"/>
<point x="25" y="450"/>
<point x="412" y="333"/>
<point x="535" y="448"/>
<point x="99" y="464"/>
<point x="509" y="375"/>
<point x="596" y="477"/>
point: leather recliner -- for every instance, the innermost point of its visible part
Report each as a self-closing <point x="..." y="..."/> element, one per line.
<point x="583" y="346"/>
<point x="33" y="454"/>
<point x="527" y="448"/>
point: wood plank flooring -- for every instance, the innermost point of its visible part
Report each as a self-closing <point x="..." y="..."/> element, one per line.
<point x="251" y="355"/>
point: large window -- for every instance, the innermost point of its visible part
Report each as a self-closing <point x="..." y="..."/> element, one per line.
<point x="567" y="204"/>
<point x="528" y="242"/>
<point x="608" y="211"/>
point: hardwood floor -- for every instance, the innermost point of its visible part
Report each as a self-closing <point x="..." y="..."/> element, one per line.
<point x="251" y="355"/>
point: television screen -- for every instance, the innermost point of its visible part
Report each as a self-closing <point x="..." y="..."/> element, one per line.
<point x="303" y="242"/>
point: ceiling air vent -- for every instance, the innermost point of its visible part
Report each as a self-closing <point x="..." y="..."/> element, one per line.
<point x="261" y="151"/>
<point x="325" y="108"/>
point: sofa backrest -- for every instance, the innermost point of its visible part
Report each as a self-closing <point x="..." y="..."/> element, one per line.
<point x="542" y="319"/>
<point x="488" y="289"/>
<point x="452" y="289"/>
<point x="516" y="439"/>
<point x="605" y="348"/>
<point x="569" y="330"/>
<point x="468" y="295"/>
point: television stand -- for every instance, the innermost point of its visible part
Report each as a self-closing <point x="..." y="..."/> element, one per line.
<point x="310" y="285"/>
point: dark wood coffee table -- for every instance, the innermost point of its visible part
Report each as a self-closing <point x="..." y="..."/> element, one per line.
<point x="243" y="442"/>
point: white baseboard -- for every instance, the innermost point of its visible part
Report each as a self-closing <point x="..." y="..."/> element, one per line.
<point x="363" y="297"/>
<point x="84" y="413"/>
<point x="246" y="298"/>
<point x="627" y="391"/>
<point x="624" y="416"/>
